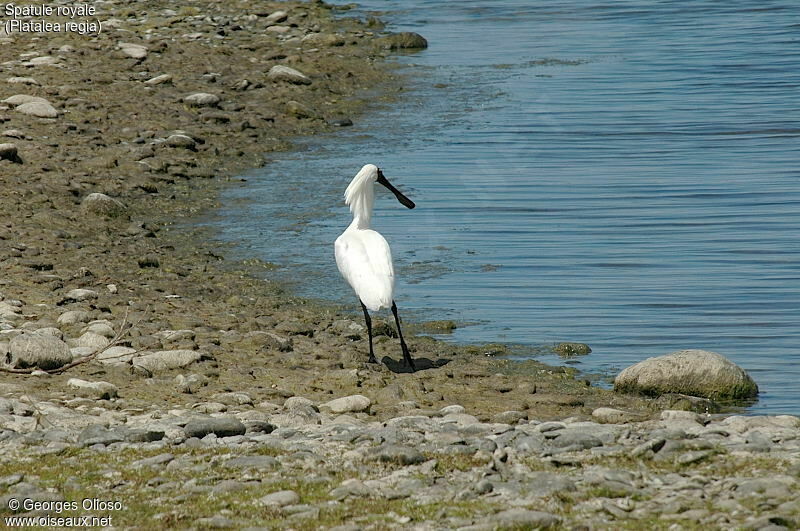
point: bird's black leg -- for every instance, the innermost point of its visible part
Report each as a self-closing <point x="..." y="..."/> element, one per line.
<point x="369" y="331"/>
<point x="406" y="355"/>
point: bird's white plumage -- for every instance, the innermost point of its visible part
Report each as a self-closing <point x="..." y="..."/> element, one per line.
<point x="365" y="261"/>
<point x="363" y="255"/>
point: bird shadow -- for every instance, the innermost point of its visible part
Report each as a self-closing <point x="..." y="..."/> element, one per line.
<point x="421" y="364"/>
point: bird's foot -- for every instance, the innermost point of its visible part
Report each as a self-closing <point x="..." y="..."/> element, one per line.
<point x="372" y="359"/>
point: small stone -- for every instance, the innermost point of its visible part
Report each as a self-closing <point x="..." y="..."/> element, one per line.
<point x="155" y="461"/>
<point x="80" y="295"/>
<point x="219" y="426"/>
<point x="393" y="453"/>
<point x="73" y="317"/>
<point x="288" y="74"/>
<point x="253" y="461"/>
<point x="347" y="404"/>
<point x="38" y="109"/>
<point x="99" y="390"/>
<point x="276" y="17"/>
<point x="159" y="80"/>
<point x="102" y="205"/>
<point x="280" y="498"/>
<point x="22" y="80"/>
<point x="202" y="99"/>
<point x="610" y="415"/>
<point x="525" y="518"/>
<point x="190" y="384"/>
<point x="164" y="360"/>
<point x="9" y="152"/>
<point x="99" y="434"/>
<point x="181" y="141"/>
<point x="136" y="51"/>
<point x="47" y="60"/>
<point x="92" y="341"/>
<point x="341" y="122"/>
<point x="19" y="99"/>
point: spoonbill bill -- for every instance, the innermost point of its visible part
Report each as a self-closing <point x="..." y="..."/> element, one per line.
<point x="363" y="255"/>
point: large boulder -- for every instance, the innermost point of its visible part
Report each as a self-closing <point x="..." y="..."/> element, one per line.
<point x="690" y="372"/>
<point x="37" y="350"/>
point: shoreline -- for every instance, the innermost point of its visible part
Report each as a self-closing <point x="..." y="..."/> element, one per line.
<point x="221" y="365"/>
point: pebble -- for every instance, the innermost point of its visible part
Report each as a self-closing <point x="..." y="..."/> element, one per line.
<point x="202" y="99"/>
<point x="9" y="152"/>
<point x="288" y="74"/>
<point x="280" y="498"/>
<point x="347" y="404"/>
<point x="165" y="360"/>
<point x="37" y="109"/>
<point x="22" y="80"/>
<point x="159" y="80"/>
<point x="100" y="390"/>
<point x="136" y="51"/>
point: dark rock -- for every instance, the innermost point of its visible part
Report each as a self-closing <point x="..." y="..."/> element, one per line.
<point x="220" y="426"/>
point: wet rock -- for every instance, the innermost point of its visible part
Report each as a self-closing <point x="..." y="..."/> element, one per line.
<point x="298" y="110"/>
<point x="219" y="426"/>
<point x="347" y="404"/>
<point x="9" y="152"/>
<point x="691" y="372"/>
<point x="280" y="498"/>
<point x="37" y="109"/>
<point x="341" y="122"/>
<point x="36" y="350"/>
<point x="288" y="74"/>
<point x="166" y="359"/>
<point x="99" y="390"/>
<point x="136" y="51"/>
<point x="403" y="41"/>
<point x="202" y="99"/>
<point x="572" y="349"/>
<point x="100" y="204"/>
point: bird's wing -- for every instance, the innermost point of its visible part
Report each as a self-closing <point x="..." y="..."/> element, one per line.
<point x="365" y="261"/>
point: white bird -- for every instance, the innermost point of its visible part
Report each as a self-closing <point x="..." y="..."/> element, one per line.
<point x="363" y="255"/>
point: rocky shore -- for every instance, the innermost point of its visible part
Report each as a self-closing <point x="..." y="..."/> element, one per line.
<point x="173" y="388"/>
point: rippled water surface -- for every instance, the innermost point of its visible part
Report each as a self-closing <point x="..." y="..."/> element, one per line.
<point x="623" y="174"/>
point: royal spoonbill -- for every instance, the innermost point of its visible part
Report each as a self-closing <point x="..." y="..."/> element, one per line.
<point x="363" y="256"/>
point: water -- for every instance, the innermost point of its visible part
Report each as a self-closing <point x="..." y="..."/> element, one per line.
<point x="623" y="174"/>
